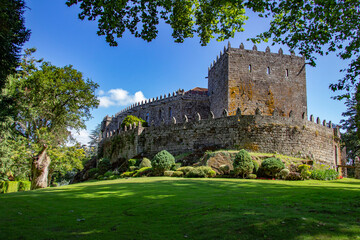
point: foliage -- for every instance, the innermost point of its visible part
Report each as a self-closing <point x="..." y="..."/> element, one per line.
<point x="175" y="166"/>
<point x="24" y="186"/>
<point x="284" y="173"/>
<point x="177" y="174"/>
<point x="162" y="161"/>
<point x="185" y="169"/>
<point x="225" y="169"/>
<point x="252" y="176"/>
<point x="168" y="173"/>
<point x="91" y="173"/>
<point x="130" y="120"/>
<point x="272" y="166"/>
<point x="256" y="166"/>
<point x="133" y="168"/>
<point x="200" y="172"/>
<point x="324" y="174"/>
<point x="304" y="171"/>
<point x="311" y="27"/>
<point x="131" y="162"/>
<point x="94" y="140"/>
<point x="293" y="176"/>
<point x="145" y="163"/>
<point x="144" y="171"/>
<point x="13" y="35"/>
<point x="243" y="164"/>
<point x="108" y="174"/>
<point x="127" y="174"/>
<point x="103" y="165"/>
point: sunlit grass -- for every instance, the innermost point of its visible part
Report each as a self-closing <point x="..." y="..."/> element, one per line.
<point x="178" y="208"/>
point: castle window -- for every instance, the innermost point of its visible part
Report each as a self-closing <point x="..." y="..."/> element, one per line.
<point x="147" y="117"/>
<point x="160" y="114"/>
<point x="170" y="112"/>
<point x="268" y="70"/>
<point x="287" y="72"/>
<point x="249" y="67"/>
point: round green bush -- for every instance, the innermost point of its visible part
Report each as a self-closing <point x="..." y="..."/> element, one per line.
<point x="177" y="174"/>
<point x="145" y="163"/>
<point x="92" y="172"/>
<point x="272" y="166"/>
<point x="130" y="119"/>
<point x="256" y="166"/>
<point x="104" y="165"/>
<point x="131" y="162"/>
<point x="284" y="173"/>
<point x="252" y="176"/>
<point x="243" y="164"/>
<point x="162" y="162"/>
<point x="293" y="176"/>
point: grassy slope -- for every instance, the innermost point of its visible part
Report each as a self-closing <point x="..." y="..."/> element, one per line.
<point x="177" y="208"/>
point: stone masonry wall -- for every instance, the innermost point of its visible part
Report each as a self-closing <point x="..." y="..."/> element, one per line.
<point x="250" y="79"/>
<point x="290" y="136"/>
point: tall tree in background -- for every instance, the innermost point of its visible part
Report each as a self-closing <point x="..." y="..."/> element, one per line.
<point x="310" y="26"/>
<point x="94" y="140"/>
<point x="13" y="35"/>
<point x="49" y="100"/>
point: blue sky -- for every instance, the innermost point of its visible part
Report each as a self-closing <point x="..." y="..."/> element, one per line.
<point x="137" y="69"/>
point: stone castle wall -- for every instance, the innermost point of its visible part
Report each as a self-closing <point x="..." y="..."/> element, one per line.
<point x="290" y="136"/>
<point x="250" y="79"/>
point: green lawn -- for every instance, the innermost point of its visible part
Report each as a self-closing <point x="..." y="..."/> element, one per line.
<point x="178" y="208"/>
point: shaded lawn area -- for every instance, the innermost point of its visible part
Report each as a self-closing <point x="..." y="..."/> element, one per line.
<point x="179" y="208"/>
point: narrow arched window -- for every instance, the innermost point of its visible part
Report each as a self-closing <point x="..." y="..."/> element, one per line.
<point x="268" y="70"/>
<point x="147" y="117"/>
<point x="250" y="68"/>
<point x="160" y="114"/>
<point x="287" y="72"/>
<point x="170" y="112"/>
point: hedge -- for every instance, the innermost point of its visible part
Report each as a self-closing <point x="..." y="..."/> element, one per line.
<point x="14" y="186"/>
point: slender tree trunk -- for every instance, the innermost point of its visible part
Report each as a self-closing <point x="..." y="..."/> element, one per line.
<point x="40" y="170"/>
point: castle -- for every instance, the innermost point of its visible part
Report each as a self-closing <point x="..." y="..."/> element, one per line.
<point x="255" y="100"/>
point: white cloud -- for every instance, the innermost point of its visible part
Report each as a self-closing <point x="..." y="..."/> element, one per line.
<point x="82" y="137"/>
<point x="119" y="97"/>
<point x="101" y="92"/>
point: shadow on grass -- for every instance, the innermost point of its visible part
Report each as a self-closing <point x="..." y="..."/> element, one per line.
<point x="159" y="208"/>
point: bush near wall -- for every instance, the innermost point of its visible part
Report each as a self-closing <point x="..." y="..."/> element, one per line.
<point x="14" y="186"/>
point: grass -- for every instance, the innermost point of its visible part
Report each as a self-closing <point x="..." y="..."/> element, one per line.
<point x="178" y="208"/>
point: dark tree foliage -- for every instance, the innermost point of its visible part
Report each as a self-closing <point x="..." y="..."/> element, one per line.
<point x="313" y="27"/>
<point x="13" y="35"/>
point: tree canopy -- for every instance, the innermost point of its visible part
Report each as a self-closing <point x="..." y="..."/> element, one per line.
<point x="309" y="26"/>
<point x="13" y="35"/>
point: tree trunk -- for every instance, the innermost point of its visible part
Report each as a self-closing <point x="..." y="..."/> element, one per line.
<point x="40" y="170"/>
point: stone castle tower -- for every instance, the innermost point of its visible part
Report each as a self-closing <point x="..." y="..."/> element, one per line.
<point x="250" y="79"/>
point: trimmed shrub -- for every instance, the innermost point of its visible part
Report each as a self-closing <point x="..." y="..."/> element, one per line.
<point x="175" y="166"/>
<point x="108" y="174"/>
<point x="256" y="166"/>
<point x="252" y="176"/>
<point x="225" y="169"/>
<point x="324" y="174"/>
<point x="133" y="168"/>
<point x="201" y="172"/>
<point x="127" y="174"/>
<point x="100" y="177"/>
<point x="104" y="165"/>
<point x="284" y="173"/>
<point x="131" y="162"/>
<point x="145" y="171"/>
<point x="112" y="177"/>
<point x="185" y="170"/>
<point x="304" y="171"/>
<point x="24" y="186"/>
<point x="293" y="176"/>
<point x="162" y="162"/>
<point x="92" y="172"/>
<point x="145" y="163"/>
<point x="11" y="186"/>
<point x="2" y="187"/>
<point x="130" y="119"/>
<point x="177" y="174"/>
<point x="168" y="173"/>
<point x="243" y="164"/>
<point x="272" y="166"/>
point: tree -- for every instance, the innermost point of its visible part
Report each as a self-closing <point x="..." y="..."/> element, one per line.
<point x="94" y="140"/>
<point x="309" y="26"/>
<point x="13" y="35"/>
<point x="351" y="123"/>
<point x="49" y="100"/>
